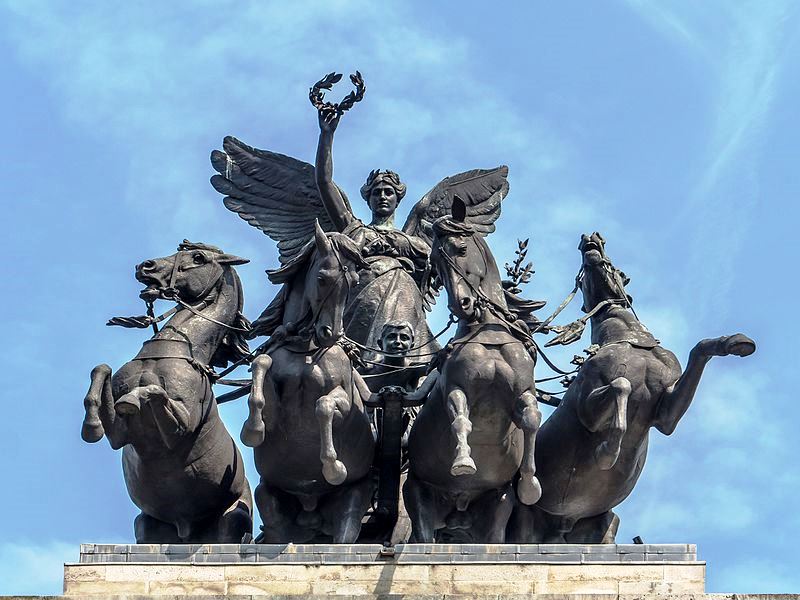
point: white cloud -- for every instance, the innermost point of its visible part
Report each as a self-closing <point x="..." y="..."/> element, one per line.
<point x="739" y="47"/>
<point x="139" y="78"/>
<point x="34" y="568"/>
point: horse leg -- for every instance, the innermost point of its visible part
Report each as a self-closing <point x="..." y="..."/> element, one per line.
<point x="490" y="513"/>
<point x="607" y="407"/>
<point x="344" y="511"/>
<point x="236" y="522"/>
<point x="278" y="511"/>
<point x="526" y="525"/>
<point x="101" y="418"/>
<point x="600" y="529"/>
<point x="332" y="406"/>
<point x="254" y="429"/>
<point x="528" y="417"/>
<point x="461" y="426"/>
<point x="149" y="530"/>
<point x="420" y="500"/>
<point x="92" y="429"/>
<point x="676" y="399"/>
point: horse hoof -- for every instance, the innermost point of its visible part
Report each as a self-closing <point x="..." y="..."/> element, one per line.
<point x="463" y="466"/>
<point x="529" y="490"/>
<point x="92" y="432"/>
<point x="127" y="405"/>
<point x="252" y="436"/>
<point x="334" y="472"/>
<point x="739" y="345"/>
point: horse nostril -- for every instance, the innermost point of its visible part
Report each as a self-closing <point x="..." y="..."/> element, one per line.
<point x="465" y="302"/>
<point x="148" y="265"/>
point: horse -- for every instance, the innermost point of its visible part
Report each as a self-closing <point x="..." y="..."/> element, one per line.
<point x="181" y="466"/>
<point x="476" y="431"/>
<point x="592" y="449"/>
<point x="312" y="438"/>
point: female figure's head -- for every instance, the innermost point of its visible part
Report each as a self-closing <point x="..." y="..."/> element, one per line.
<point x="383" y="191"/>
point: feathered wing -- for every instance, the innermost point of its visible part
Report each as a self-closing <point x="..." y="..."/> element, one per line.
<point x="275" y="193"/>
<point x="482" y="190"/>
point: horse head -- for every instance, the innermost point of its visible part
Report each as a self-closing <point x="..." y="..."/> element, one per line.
<point x="465" y="266"/>
<point x="332" y="272"/>
<point x="601" y="281"/>
<point x="190" y="274"/>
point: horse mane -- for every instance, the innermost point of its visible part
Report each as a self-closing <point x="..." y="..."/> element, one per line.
<point x="233" y="346"/>
<point x="273" y="315"/>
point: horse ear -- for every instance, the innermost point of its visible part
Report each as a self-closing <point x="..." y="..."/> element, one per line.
<point x="320" y="238"/>
<point x="459" y="210"/>
<point x="231" y="259"/>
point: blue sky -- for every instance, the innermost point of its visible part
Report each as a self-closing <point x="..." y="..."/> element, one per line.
<point x="667" y="126"/>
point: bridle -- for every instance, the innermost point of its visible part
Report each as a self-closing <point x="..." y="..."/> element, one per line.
<point x="482" y="300"/>
<point x="172" y="294"/>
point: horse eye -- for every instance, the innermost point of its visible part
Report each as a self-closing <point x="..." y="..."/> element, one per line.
<point x="199" y="259"/>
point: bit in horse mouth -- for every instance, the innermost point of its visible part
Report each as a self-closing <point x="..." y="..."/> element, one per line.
<point x="151" y="292"/>
<point x="589" y="246"/>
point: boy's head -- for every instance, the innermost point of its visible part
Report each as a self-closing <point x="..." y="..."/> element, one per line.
<point x="397" y="337"/>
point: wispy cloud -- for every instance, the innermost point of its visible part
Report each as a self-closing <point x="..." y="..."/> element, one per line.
<point x="739" y="48"/>
<point x="34" y="568"/>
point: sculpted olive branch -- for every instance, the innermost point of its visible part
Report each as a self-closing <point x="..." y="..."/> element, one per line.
<point x="519" y="274"/>
<point x="317" y="96"/>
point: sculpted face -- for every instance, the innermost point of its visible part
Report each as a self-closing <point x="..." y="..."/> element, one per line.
<point x="383" y="200"/>
<point x="397" y="340"/>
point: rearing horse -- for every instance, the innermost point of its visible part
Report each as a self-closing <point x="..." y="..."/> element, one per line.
<point x="312" y="437"/>
<point x="181" y="466"/>
<point x="477" y="429"/>
<point x="592" y="449"/>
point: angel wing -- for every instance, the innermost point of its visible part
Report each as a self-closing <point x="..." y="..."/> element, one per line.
<point x="482" y="190"/>
<point x="275" y="193"/>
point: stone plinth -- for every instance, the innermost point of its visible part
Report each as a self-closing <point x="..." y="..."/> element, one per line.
<point x="368" y="570"/>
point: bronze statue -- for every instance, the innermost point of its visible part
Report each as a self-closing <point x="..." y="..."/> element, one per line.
<point x="313" y="441"/>
<point x="483" y="392"/>
<point x="351" y="384"/>
<point x="181" y="467"/>
<point x="591" y="450"/>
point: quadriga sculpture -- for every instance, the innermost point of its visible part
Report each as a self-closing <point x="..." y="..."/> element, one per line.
<point x="181" y="466"/>
<point x="313" y="440"/>
<point x="591" y="450"/>
<point x="478" y="426"/>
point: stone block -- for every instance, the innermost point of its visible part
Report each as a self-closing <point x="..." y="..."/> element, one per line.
<point x="583" y="586"/>
<point x="82" y="572"/>
<point x="269" y="588"/>
<point x="696" y="572"/>
<point x="104" y="589"/>
<point x="259" y="572"/>
<point x="186" y="588"/>
<point x="165" y="572"/>
<point x="479" y="586"/>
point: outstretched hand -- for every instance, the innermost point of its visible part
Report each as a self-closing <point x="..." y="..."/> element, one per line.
<point x="328" y="118"/>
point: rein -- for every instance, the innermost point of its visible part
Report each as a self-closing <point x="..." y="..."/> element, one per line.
<point x="501" y="313"/>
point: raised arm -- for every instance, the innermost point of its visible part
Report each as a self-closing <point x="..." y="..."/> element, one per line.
<point x="335" y="204"/>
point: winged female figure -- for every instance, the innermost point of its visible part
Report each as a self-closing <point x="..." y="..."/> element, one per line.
<point x="283" y="197"/>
